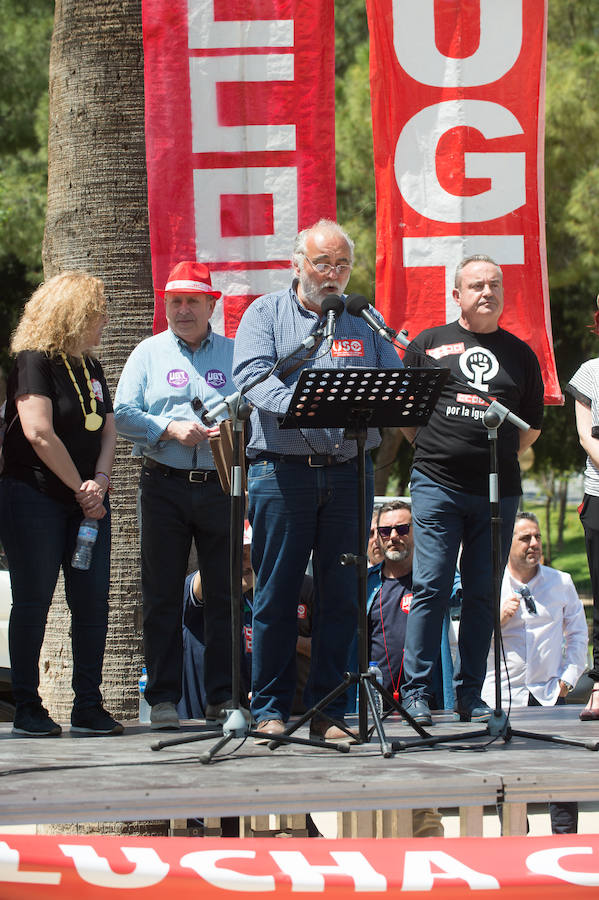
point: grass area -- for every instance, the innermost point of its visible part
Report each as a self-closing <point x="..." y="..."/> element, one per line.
<point x="571" y="557"/>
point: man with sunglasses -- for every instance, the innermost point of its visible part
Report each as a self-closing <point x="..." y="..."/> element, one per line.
<point x="545" y="638"/>
<point x="389" y="598"/>
<point x="302" y="484"/>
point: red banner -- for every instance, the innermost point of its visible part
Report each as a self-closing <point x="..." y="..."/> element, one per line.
<point x="458" y="108"/>
<point x="240" y="143"/>
<point x="94" y="867"/>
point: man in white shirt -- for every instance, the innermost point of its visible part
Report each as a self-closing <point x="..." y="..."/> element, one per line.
<point x="545" y="637"/>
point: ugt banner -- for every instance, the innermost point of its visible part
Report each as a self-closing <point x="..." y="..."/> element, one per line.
<point x="240" y="140"/>
<point x="457" y="106"/>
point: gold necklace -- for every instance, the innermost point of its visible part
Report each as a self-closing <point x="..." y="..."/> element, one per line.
<point x="92" y="420"/>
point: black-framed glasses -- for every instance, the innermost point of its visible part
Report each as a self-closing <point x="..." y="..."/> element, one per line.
<point x="327" y="268"/>
<point x="529" y="602"/>
<point x="385" y="531"/>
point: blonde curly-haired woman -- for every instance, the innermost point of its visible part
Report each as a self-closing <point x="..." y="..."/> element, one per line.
<point x="58" y="455"/>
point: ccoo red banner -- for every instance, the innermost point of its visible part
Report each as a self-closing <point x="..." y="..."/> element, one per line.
<point x="240" y="139"/>
<point x="77" y="868"/>
<point x="458" y="108"/>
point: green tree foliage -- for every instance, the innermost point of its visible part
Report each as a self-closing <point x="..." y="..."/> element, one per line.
<point x="25" y="30"/>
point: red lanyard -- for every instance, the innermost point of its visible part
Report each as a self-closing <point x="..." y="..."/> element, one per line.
<point x="393" y="685"/>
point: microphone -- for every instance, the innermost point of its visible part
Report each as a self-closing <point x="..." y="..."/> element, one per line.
<point x="357" y="305"/>
<point x="332" y="305"/>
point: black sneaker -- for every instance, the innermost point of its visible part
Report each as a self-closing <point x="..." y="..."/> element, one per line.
<point x="33" y="720"/>
<point x="94" y="720"/>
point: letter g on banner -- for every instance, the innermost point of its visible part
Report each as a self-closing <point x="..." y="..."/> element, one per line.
<point x="415" y="162"/>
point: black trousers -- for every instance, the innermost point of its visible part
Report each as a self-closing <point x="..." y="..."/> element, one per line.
<point x="589" y="516"/>
<point x="174" y="512"/>
<point x="564" y="815"/>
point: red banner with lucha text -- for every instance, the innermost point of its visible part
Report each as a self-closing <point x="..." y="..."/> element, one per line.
<point x="458" y="107"/>
<point x="240" y="114"/>
<point x="89" y="867"/>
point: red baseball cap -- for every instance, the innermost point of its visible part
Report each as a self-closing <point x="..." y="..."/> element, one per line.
<point x="191" y="278"/>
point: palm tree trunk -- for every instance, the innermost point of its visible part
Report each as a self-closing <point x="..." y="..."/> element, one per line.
<point x="97" y="220"/>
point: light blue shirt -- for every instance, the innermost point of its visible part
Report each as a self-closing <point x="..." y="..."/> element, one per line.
<point x="160" y="380"/>
<point x="271" y="327"/>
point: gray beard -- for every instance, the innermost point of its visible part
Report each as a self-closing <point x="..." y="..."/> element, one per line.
<point x="397" y="555"/>
<point x="312" y="292"/>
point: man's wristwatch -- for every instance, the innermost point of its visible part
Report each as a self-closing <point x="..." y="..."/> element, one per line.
<point x="568" y="685"/>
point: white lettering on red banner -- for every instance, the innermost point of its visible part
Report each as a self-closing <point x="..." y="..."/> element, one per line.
<point x="458" y="105"/>
<point x="536" y="868"/>
<point x="239" y="139"/>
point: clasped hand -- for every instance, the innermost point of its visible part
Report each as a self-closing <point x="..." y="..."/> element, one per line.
<point x="90" y="498"/>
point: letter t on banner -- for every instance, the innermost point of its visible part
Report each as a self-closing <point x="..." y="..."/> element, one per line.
<point x="240" y="139"/>
<point x="457" y="109"/>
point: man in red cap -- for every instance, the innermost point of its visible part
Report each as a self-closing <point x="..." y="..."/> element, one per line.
<point x="165" y="386"/>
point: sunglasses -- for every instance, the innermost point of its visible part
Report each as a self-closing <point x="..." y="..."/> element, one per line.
<point x="385" y="531"/>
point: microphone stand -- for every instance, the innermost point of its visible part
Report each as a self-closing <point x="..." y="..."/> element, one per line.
<point x="495" y="415"/>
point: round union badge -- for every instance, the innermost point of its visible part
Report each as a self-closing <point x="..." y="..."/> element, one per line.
<point x="177" y="378"/>
<point x="215" y="378"/>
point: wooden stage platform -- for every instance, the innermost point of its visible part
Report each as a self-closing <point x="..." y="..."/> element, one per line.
<point x="76" y="778"/>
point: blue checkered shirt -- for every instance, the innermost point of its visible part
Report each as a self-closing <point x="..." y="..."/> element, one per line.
<point x="271" y="328"/>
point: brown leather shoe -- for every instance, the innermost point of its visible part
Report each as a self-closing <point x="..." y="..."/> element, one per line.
<point x="591" y="711"/>
<point x="322" y="729"/>
<point x="270" y="728"/>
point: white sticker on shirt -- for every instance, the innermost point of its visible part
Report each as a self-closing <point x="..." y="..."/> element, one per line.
<point x="97" y="389"/>
<point x="348" y="347"/>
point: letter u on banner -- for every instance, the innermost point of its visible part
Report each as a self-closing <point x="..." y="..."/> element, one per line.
<point x="457" y="109"/>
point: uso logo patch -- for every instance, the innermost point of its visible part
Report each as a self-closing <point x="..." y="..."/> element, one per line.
<point x="177" y="378"/>
<point x="302" y="612"/>
<point x="348" y="347"/>
<point x="97" y="389"/>
<point x="405" y="602"/>
<point x="215" y="378"/>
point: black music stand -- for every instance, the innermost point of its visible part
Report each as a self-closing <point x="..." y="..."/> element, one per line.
<point x="357" y="399"/>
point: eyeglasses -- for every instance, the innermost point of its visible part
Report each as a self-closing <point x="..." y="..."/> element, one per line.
<point x="327" y="269"/>
<point x="530" y="604"/>
<point x="385" y="531"/>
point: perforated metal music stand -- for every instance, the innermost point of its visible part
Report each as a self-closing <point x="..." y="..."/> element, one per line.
<point x="357" y="399"/>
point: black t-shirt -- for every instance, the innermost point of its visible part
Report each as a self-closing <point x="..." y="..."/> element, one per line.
<point x="387" y="627"/>
<point x="37" y="373"/>
<point x="453" y="447"/>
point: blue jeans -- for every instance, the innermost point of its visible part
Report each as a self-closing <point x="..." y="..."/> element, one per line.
<point x="442" y="519"/>
<point x="39" y="535"/>
<point x="295" y="509"/>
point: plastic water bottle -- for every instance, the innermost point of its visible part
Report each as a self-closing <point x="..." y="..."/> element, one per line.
<point x="144" y="706"/>
<point x="374" y="669"/>
<point x="86" y="538"/>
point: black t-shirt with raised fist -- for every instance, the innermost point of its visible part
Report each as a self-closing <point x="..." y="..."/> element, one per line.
<point x="453" y="448"/>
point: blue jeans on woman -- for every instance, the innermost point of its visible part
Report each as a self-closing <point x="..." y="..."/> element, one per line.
<point x="294" y="510"/>
<point x="442" y="519"/>
<point x="39" y="535"/>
